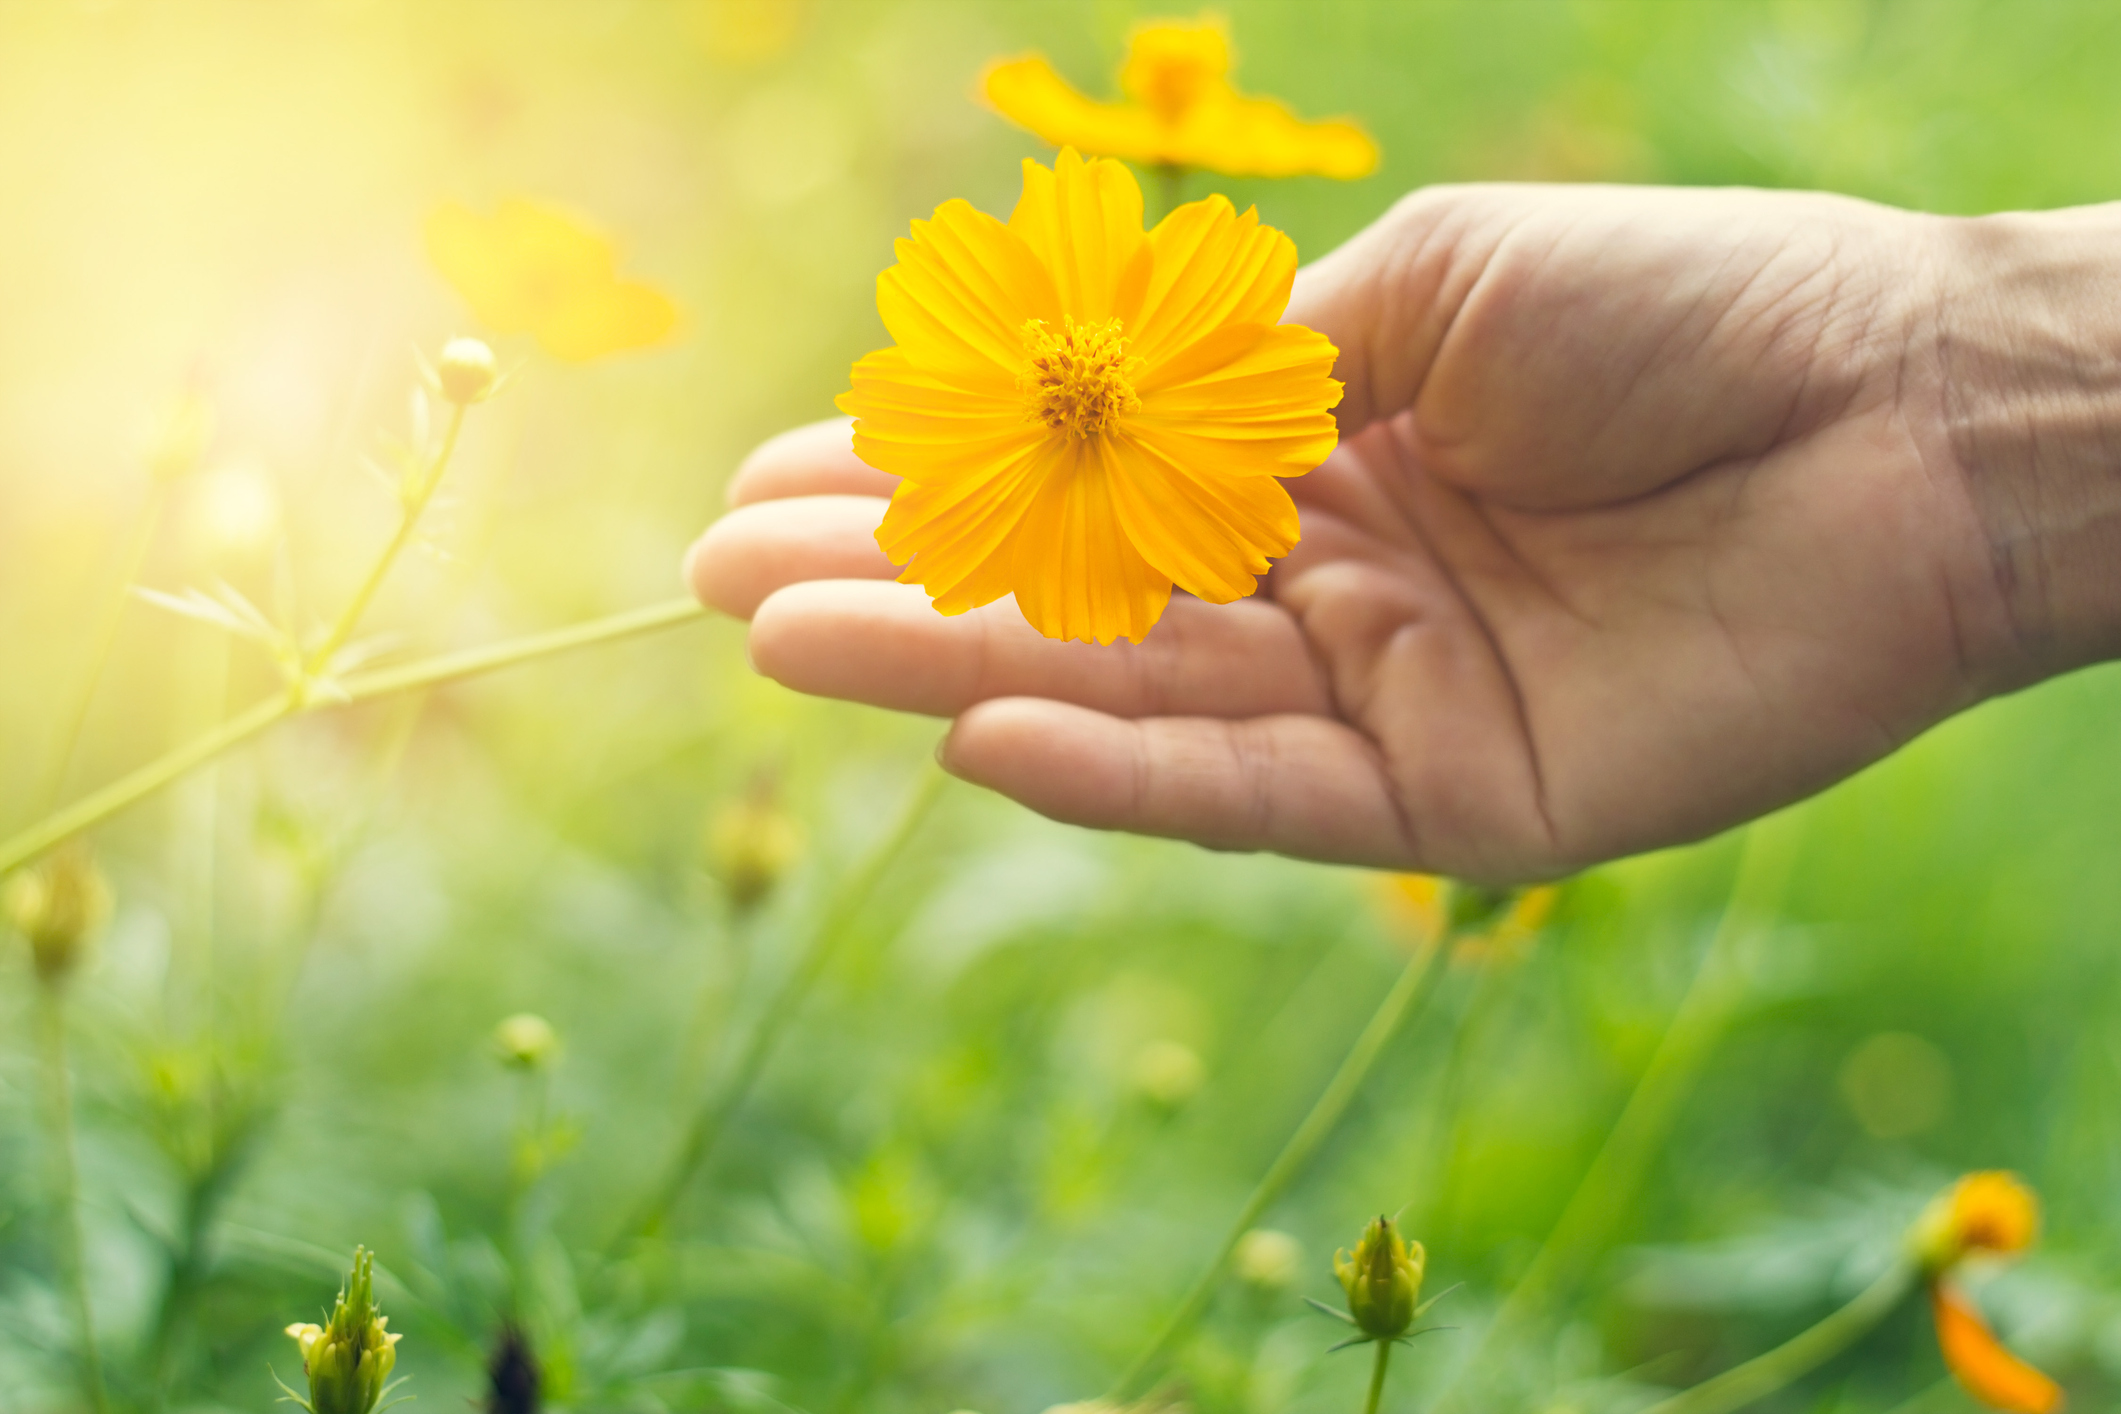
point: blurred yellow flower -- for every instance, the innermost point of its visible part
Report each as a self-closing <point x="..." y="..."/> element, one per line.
<point x="1989" y="1212"/>
<point x="1180" y="110"/>
<point x="1493" y="926"/>
<point x="532" y="269"/>
<point x="1981" y="1364"/>
<point x="1086" y="415"/>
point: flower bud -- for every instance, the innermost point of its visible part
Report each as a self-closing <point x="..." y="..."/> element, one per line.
<point x="1167" y="1073"/>
<point x="1382" y="1278"/>
<point x="751" y="844"/>
<point x="466" y="372"/>
<point x="526" y="1042"/>
<point x="58" y="903"/>
<point x="1987" y="1212"/>
<point x="1267" y="1259"/>
<point x="349" y="1360"/>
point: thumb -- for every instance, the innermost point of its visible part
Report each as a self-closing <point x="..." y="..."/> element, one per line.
<point x="1387" y="298"/>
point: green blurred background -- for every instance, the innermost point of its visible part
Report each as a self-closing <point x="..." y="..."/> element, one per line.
<point x="957" y="1187"/>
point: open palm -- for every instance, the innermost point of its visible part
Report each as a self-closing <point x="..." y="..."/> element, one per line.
<point x="1644" y="521"/>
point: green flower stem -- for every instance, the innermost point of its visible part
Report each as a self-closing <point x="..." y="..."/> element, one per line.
<point x="94" y="809"/>
<point x="66" y="1174"/>
<point x="1325" y="1115"/>
<point x="1377" y="1377"/>
<point x="1797" y="1357"/>
<point x="1608" y="1186"/>
<point x="412" y="507"/>
<point x="103" y="639"/>
<point x="705" y="1134"/>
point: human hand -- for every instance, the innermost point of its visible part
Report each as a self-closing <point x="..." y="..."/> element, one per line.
<point x="1654" y="510"/>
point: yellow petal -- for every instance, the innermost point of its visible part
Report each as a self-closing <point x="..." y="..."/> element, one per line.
<point x="1246" y="401"/>
<point x="1075" y="572"/>
<point x="605" y="319"/>
<point x="1083" y="220"/>
<point x="1261" y="137"/>
<point x="1980" y="1363"/>
<point x="1029" y="93"/>
<point x="954" y="537"/>
<point x="1171" y="68"/>
<point x="1209" y="533"/>
<point x="1210" y="267"/>
<point x="915" y="424"/>
<point x="960" y="294"/>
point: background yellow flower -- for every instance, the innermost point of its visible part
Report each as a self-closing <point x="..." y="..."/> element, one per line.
<point x="538" y="270"/>
<point x="1180" y="111"/>
<point x="1086" y="415"/>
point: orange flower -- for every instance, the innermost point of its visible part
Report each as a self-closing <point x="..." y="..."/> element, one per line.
<point x="1988" y="1212"/>
<point x="532" y="269"/>
<point x="1180" y="111"/>
<point x="1979" y="1362"/>
<point x="1085" y="415"/>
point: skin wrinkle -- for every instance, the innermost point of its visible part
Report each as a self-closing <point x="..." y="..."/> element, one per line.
<point x="1540" y="803"/>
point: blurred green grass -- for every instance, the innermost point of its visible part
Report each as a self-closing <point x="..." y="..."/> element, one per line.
<point x="946" y="1194"/>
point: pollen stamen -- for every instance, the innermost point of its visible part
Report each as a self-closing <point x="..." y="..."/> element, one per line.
<point x="1079" y="380"/>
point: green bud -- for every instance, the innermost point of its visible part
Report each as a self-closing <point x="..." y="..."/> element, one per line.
<point x="1382" y="1278"/>
<point x="58" y="904"/>
<point x="348" y="1361"/>
<point x="526" y="1042"/>
<point x="751" y="843"/>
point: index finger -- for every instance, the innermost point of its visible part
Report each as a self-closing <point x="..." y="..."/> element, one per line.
<point x="817" y="460"/>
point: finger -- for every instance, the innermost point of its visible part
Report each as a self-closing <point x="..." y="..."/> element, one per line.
<point x="817" y="460"/>
<point x="1297" y="785"/>
<point x="885" y="644"/>
<point x="756" y="549"/>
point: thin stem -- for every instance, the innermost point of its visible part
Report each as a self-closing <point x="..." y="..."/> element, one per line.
<point x="94" y="809"/>
<point x="99" y="806"/>
<point x="833" y="929"/>
<point x="1604" y="1192"/>
<point x="103" y="638"/>
<point x="66" y="1174"/>
<point x="1324" y="1116"/>
<point x="1377" y="1377"/>
<point x="413" y="506"/>
<point x="1797" y="1357"/>
<point x="473" y="662"/>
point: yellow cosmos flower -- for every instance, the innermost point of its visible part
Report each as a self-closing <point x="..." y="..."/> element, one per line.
<point x="1495" y="927"/>
<point x="1086" y="415"/>
<point x="1181" y="110"/>
<point x="530" y="269"/>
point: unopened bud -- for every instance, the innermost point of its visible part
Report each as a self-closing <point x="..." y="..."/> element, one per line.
<point x="57" y="904"/>
<point x="1382" y="1278"/>
<point x="349" y="1360"/>
<point x="1168" y="1073"/>
<point x="526" y="1042"/>
<point x="751" y="844"/>
<point x="1267" y="1259"/>
<point x="466" y="371"/>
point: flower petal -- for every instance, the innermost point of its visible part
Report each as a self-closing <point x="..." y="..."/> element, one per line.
<point x="1246" y="401"/>
<point x="1075" y="572"/>
<point x="1980" y="1363"/>
<point x="1028" y="92"/>
<point x="607" y="318"/>
<point x="1211" y="267"/>
<point x="954" y="537"/>
<point x="1211" y="534"/>
<point x="1084" y="222"/>
<point x="958" y="298"/>
<point x="916" y="424"/>
<point x="1261" y="137"/>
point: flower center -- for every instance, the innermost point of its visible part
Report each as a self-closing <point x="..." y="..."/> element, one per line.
<point x="1080" y="379"/>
